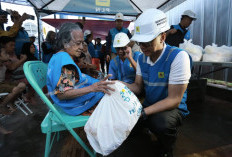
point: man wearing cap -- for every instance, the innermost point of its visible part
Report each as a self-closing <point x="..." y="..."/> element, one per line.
<point x="178" y="33"/>
<point x="15" y="28"/>
<point x="110" y="40"/>
<point x="164" y="72"/>
<point x="123" y="67"/>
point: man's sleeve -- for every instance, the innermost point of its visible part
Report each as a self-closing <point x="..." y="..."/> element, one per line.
<point x="112" y="70"/>
<point x="180" y="71"/>
<point x="12" y="32"/>
<point x="138" y="69"/>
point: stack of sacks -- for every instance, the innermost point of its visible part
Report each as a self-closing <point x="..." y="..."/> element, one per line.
<point x="194" y="51"/>
<point x="217" y="54"/>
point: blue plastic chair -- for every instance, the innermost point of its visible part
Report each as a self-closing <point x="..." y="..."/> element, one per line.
<point x="56" y="120"/>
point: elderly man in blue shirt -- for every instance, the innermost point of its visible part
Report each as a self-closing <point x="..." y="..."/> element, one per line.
<point x="123" y="67"/>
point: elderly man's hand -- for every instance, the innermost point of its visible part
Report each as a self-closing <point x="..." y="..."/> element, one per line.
<point x="128" y="52"/>
<point x="102" y="86"/>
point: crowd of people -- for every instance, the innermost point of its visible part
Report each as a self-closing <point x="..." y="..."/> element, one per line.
<point x="141" y="60"/>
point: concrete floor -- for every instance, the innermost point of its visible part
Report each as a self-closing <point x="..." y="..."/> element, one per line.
<point x="208" y="129"/>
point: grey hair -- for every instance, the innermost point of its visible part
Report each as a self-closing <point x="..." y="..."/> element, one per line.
<point x="64" y="35"/>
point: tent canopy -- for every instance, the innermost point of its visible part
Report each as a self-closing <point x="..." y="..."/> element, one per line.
<point x="107" y="7"/>
<point x="100" y="28"/>
<point x="98" y="8"/>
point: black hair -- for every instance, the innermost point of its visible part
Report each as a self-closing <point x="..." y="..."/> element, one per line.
<point x="80" y="25"/>
<point x="4" y="40"/>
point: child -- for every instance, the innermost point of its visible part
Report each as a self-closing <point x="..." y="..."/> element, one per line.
<point x="8" y="87"/>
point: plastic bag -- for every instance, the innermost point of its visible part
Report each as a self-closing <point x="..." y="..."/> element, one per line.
<point x="217" y="54"/>
<point x="195" y="51"/>
<point x="113" y="119"/>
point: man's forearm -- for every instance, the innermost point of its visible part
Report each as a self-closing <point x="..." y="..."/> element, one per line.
<point x="175" y="95"/>
<point x="133" y="62"/>
<point x="163" y="105"/>
<point x="133" y="87"/>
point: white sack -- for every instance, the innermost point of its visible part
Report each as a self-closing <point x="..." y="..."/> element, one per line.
<point x="113" y="119"/>
<point x="217" y="54"/>
<point x="194" y="51"/>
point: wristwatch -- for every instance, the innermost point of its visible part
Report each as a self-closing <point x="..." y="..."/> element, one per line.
<point x="144" y="116"/>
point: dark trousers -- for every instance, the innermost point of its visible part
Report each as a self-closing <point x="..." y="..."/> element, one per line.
<point x="164" y="125"/>
<point x="102" y="61"/>
<point x="107" y="67"/>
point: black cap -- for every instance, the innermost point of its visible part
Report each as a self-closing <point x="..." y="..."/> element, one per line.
<point x="3" y="12"/>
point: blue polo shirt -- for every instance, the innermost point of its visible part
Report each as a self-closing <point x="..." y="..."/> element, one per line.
<point x="123" y="71"/>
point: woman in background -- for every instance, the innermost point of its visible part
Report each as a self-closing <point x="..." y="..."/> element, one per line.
<point x="48" y="46"/>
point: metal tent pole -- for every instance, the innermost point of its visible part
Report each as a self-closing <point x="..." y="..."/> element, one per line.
<point x="39" y="33"/>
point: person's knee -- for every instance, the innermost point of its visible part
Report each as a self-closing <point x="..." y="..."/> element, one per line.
<point x="19" y="88"/>
<point x="158" y="123"/>
<point x="166" y="121"/>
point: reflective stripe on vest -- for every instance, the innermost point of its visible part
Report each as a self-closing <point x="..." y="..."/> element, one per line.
<point x="155" y="84"/>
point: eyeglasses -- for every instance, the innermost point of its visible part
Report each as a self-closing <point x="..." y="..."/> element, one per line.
<point x="121" y="48"/>
<point x="145" y="44"/>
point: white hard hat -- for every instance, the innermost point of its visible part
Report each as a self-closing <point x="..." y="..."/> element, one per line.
<point x="87" y="32"/>
<point x="119" y="16"/>
<point x="121" y="40"/>
<point x="149" y="25"/>
<point x="190" y="14"/>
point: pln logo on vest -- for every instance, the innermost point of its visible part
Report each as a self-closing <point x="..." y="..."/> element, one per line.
<point x="160" y="74"/>
<point x="137" y="30"/>
<point x="103" y="3"/>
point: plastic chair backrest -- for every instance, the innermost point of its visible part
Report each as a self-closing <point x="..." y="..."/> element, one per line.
<point x="36" y="74"/>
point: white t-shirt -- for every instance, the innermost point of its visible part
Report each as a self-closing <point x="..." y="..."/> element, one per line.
<point x="180" y="72"/>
